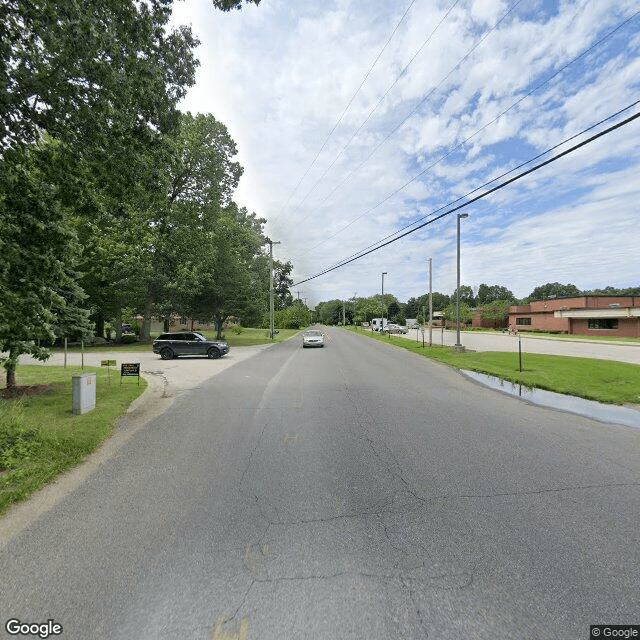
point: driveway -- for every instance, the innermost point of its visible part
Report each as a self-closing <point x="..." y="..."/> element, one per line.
<point x="167" y="378"/>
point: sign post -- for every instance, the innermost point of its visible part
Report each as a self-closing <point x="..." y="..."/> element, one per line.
<point x="108" y="364"/>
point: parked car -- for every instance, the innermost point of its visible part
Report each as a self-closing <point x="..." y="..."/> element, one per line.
<point x="313" y="338"/>
<point x="395" y="328"/>
<point x="188" y="343"/>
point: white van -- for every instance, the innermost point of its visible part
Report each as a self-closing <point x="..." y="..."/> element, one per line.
<point x="378" y="324"/>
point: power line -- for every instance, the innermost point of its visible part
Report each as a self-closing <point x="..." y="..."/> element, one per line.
<point x="335" y="126"/>
<point x="521" y="175"/>
<point x="473" y="135"/>
<point x="380" y="101"/>
<point x="429" y="94"/>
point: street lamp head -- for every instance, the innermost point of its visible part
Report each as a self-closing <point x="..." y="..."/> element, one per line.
<point x="384" y="273"/>
<point x="462" y="215"/>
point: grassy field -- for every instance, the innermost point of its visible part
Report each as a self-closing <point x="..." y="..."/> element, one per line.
<point x="602" y="380"/>
<point x="40" y="437"/>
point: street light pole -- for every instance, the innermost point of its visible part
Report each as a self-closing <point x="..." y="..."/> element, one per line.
<point x="384" y="273"/>
<point x="271" y="312"/>
<point x="458" y="346"/>
<point x="430" y="302"/>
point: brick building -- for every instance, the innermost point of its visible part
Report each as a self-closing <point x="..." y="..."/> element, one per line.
<point x="584" y="315"/>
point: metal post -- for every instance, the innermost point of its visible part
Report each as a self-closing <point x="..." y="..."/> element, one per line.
<point x="430" y="302"/>
<point x="458" y="344"/>
<point x="384" y="273"/>
<point x="520" y="351"/>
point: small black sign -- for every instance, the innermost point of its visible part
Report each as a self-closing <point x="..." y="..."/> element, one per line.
<point x="130" y="369"/>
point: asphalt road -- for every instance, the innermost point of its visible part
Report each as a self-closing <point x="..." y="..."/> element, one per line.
<point x="354" y="491"/>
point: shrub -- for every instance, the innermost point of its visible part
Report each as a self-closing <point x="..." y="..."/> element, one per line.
<point x="128" y="338"/>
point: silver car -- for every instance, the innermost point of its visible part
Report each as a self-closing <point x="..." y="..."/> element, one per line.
<point x="313" y="338"/>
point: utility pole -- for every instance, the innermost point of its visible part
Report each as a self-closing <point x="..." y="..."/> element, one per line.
<point x="384" y="273"/>
<point x="271" y="313"/>
<point x="430" y="302"/>
<point x="458" y="346"/>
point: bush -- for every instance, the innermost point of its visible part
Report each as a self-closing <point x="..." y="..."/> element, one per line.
<point x="128" y="338"/>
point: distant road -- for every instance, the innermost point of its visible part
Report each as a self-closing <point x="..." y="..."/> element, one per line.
<point x="481" y="341"/>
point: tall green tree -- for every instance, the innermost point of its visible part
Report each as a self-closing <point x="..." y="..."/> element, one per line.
<point x="39" y="298"/>
<point x="84" y="71"/>
<point x="491" y="293"/>
<point x="554" y="290"/>
<point x="415" y="305"/>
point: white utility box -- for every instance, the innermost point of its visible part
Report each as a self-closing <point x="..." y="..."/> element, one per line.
<point x="84" y="393"/>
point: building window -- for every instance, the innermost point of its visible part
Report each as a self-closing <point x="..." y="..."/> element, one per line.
<point x="184" y="320"/>
<point x="603" y="323"/>
<point x="523" y="321"/>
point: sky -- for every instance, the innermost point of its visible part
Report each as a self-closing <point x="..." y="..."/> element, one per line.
<point x="355" y="120"/>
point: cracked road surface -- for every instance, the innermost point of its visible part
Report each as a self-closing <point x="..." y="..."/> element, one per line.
<point x="354" y="491"/>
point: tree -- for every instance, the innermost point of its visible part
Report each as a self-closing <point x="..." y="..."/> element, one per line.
<point x="496" y="311"/>
<point x="450" y="313"/>
<point x="490" y="293"/>
<point x="415" y="305"/>
<point x="554" y="290"/>
<point x="190" y="215"/>
<point x="84" y="71"/>
<point x="330" y="312"/>
<point x="295" y="316"/>
<point x="393" y="311"/>
<point x="227" y="5"/>
<point x="282" y="282"/>
<point x="466" y="295"/>
<point x="39" y="298"/>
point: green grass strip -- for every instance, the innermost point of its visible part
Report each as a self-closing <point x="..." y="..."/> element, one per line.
<point x="39" y="435"/>
<point x="606" y="381"/>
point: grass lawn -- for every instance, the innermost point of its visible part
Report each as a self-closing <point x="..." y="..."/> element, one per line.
<point x="40" y="437"/>
<point x="602" y="380"/>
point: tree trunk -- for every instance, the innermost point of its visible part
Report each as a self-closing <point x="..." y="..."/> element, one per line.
<point x="10" y="366"/>
<point x="145" y="333"/>
<point x="118" y="321"/>
<point x="11" y="374"/>
<point x="100" y="324"/>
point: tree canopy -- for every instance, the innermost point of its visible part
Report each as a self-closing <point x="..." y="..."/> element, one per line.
<point x="554" y="290"/>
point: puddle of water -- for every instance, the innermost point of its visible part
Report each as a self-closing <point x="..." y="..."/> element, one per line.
<point x="589" y="408"/>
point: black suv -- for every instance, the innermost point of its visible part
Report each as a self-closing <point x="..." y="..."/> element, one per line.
<point x="188" y="343"/>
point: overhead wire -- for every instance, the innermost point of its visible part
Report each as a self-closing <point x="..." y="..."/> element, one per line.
<point x="403" y="71"/>
<point x="473" y="135"/>
<point x="335" y="126"/>
<point x="427" y="96"/>
<point x="383" y="243"/>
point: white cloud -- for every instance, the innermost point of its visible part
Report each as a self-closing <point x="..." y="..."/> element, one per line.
<point x="281" y="74"/>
